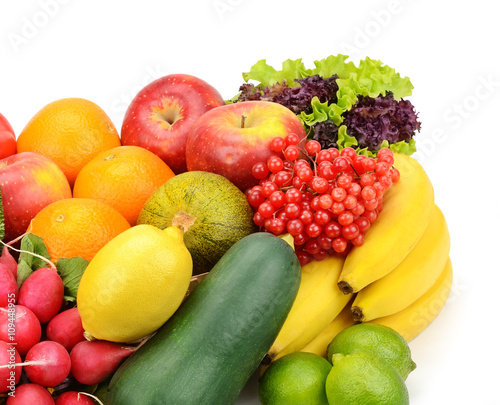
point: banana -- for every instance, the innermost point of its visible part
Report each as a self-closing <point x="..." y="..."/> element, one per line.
<point x="412" y="320"/>
<point x="320" y="343"/>
<point x="317" y="303"/>
<point x="407" y="209"/>
<point x="418" y="271"/>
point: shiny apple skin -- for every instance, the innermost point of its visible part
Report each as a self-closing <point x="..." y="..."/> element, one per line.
<point x="29" y="182"/>
<point x="217" y="142"/>
<point x="161" y="115"/>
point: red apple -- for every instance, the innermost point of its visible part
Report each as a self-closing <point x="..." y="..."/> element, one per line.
<point x="8" y="144"/>
<point x="161" y="115"/>
<point x="229" y="140"/>
<point x="29" y="181"/>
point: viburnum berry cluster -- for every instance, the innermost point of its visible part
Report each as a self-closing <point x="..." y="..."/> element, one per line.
<point x="325" y="198"/>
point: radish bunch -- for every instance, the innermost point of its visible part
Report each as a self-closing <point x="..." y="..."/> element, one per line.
<point x="42" y="342"/>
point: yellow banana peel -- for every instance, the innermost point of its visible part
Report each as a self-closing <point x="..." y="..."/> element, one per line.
<point x="320" y="343"/>
<point x="407" y="209"/>
<point x="418" y="271"/>
<point x="412" y="320"/>
<point x="317" y="303"/>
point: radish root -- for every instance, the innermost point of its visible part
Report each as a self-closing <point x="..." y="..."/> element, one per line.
<point x="92" y="396"/>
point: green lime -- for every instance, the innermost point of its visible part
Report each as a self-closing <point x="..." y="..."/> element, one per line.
<point x="377" y="339"/>
<point x="295" y="379"/>
<point x="364" y="378"/>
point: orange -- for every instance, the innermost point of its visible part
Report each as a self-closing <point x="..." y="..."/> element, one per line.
<point x="70" y="131"/>
<point x="77" y="227"/>
<point x="123" y="177"/>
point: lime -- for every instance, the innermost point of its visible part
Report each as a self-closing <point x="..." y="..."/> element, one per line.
<point x="295" y="379"/>
<point x="364" y="378"/>
<point x="377" y="339"/>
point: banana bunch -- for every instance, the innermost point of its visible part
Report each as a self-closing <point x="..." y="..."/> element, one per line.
<point x="400" y="277"/>
<point x="317" y="304"/>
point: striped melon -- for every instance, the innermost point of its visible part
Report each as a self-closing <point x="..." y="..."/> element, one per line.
<point x="213" y="212"/>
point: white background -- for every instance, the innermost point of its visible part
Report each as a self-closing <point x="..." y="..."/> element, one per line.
<point x="106" y="51"/>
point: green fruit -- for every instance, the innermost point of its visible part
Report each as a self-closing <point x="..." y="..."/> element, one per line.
<point x="213" y="212"/>
<point x="364" y="378"/>
<point x="377" y="339"/>
<point x="295" y="379"/>
<point x="208" y="350"/>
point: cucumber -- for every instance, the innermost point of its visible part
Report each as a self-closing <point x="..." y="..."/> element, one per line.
<point x="207" y="351"/>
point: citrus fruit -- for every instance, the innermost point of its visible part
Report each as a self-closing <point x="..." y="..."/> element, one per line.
<point x="213" y="212"/>
<point x="123" y="177"/>
<point x="70" y="131"/>
<point x="77" y="227"/>
<point x="134" y="284"/>
<point x="377" y="339"/>
<point x="364" y="378"/>
<point x="296" y="378"/>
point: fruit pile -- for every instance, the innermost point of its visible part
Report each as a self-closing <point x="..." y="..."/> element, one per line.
<point x="209" y="239"/>
<point x="326" y="201"/>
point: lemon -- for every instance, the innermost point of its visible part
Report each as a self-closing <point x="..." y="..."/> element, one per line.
<point x="134" y="283"/>
<point x="295" y="379"/>
<point x="377" y="339"/>
<point x="364" y="378"/>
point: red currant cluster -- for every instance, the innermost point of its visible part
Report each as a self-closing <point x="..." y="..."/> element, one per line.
<point x="325" y="198"/>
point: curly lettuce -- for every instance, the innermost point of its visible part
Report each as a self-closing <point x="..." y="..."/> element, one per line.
<point x="307" y="92"/>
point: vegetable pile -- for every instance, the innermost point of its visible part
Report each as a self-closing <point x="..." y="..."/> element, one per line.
<point x="341" y="104"/>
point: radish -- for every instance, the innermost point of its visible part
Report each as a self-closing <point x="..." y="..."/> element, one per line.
<point x="66" y="328"/>
<point x="7" y="261"/>
<point x="9" y="376"/>
<point x="30" y="394"/>
<point x="47" y="364"/>
<point x="20" y="325"/>
<point x="43" y="293"/>
<point x="8" y="287"/>
<point x="93" y="361"/>
<point x="74" y="398"/>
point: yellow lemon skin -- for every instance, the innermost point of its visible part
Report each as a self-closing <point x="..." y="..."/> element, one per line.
<point x="134" y="284"/>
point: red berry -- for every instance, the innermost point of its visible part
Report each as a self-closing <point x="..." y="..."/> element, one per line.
<point x="367" y="179"/>
<point x="268" y="188"/>
<point x="324" y="156"/>
<point x="258" y="219"/>
<point x="313" y="229"/>
<point x="291" y="153"/>
<point x="292" y="139"/>
<point x="368" y="193"/>
<point x="344" y="181"/>
<point x="333" y="229"/>
<point x="350" y="202"/>
<point x="305" y="174"/>
<point x="312" y="147"/>
<point x="319" y="184"/>
<point x="312" y="246"/>
<point x="382" y="168"/>
<point x="293" y="195"/>
<point x="371" y="215"/>
<point x="294" y="227"/>
<point x="345" y="218"/>
<point x="300" y="239"/>
<point x="266" y="210"/>
<point x="274" y="163"/>
<point x="325" y="201"/>
<point x="394" y="175"/>
<point x="255" y="198"/>
<point x="321" y="217"/>
<point x="260" y="170"/>
<point x="340" y="164"/>
<point x="303" y="257"/>
<point x="277" y="199"/>
<point x="348" y="152"/>
<point x="362" y="223"/>
<point x="337" y="207"/>
<point x="339" y="193"/>
<point x="274" y="225"/>
<point x="350" y="231"/>
<point x="306" y="217"/>
<point x="324" y="241"/>
<point x="292" y="210"/>
<point x="278" y="144"/>
<point x="339" y="244"/>
<point x="283" y="178"/>
<point x="358" y="240"/>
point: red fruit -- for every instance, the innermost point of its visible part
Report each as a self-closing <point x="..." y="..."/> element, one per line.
<point x="93" y="361"/>
<point x="66" y="328"/>
<point x="43" y="293"/>
<point x="27" y="330"/>
<point x="9" y="376"/>
<point x="8" y="287"/>
<point x="8" y="262"/>
<point x="30" y="394"/>
<point x="47" y="363"/>
<point x="74" y="398"/>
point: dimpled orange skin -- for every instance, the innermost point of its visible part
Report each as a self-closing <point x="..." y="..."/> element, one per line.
<point x="123" y="177"/>
<point x="71" y="131"/>
<point x="77" y="227"/>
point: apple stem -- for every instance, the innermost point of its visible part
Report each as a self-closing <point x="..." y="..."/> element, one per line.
<point x="243" y="118"/>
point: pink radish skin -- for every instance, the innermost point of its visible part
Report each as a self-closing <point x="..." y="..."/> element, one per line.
<point x="30" y="394"/>
<point x="93" y="361"/>
<point x="66" y="328"/>
<point x="7" y="261"/>
<point x="27" y="332"/>
<point x="9" y="377"/>
<point x="74" y="398"/>
<point x="47" y="363"/>
<point x="8" y="287"/>
<point x="43" y="293"/>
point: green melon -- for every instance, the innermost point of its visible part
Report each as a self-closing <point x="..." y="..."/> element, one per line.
<point x="213" y="212"/>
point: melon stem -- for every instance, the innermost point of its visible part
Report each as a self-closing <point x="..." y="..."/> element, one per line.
<point x="183" y="220"/>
